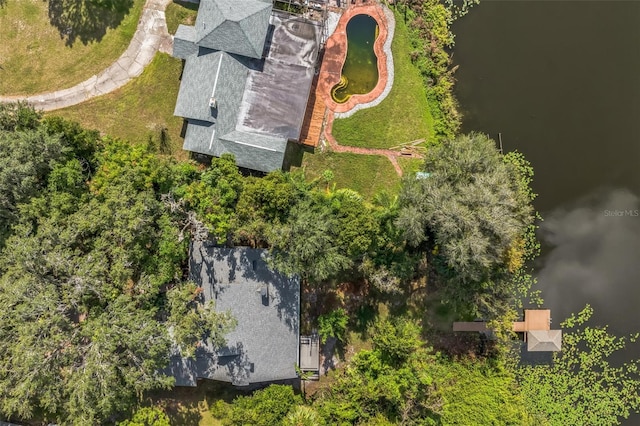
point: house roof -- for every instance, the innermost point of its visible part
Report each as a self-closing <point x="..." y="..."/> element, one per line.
<point x="212" y="130"/>
<point x="253" y="151"/>
<point x="264" y="345"/>
<point x="259" y="103"/>
<point x="212" y="74"/>
<point x="234" y="26"/>
<point x="184" y="42"/>
<point x="276" y="96"/>
<point x="544" y="340"/>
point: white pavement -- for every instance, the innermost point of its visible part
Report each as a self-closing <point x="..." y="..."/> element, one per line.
<point x="150" y="36"/>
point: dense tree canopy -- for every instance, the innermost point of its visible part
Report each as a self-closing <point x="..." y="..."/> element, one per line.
<point x="305" y="243"/>
<point x="92" y="274"/>
<point x="333" y="324"/>
<point x="471" y="211"/>
<point x="265" y="407"/>
<point x="94" y="291"/>
<point x="23" y="172"/>
<point x="91" y="249"/>
<point x="470" y="203"/>
<point x="213" y="194"/>
<point x="147" y="416"/>
<point x="78" y="291"/>
<point x="400" y="381"/>
<point x="265" y="202"/>
<point x="392" y="382"/>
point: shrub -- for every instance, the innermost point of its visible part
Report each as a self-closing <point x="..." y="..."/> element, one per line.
<point x="333" y="324"/>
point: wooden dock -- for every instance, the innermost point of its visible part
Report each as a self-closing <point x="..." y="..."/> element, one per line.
<point x="479" y="326"/>
<point x="536" y="328"/>
<point x="534" y="319"/>
<point x="313" y="117"/>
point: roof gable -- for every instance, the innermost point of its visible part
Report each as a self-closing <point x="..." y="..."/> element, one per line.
<point x="252" y="150"/>
<point x="217" y="75"/>
<point x="234" y="26"/>
<point x="544" y="340"/>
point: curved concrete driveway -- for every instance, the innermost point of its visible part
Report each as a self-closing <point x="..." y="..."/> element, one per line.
<point x="150" y="36"/>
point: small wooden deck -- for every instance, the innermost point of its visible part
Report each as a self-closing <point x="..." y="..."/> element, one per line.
<point x="534" y="319"/>
<point x="310" y="356"/>
<point x="313" y="117"/>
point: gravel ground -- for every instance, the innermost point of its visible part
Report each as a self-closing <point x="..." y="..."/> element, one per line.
<point x="332" y="22"/>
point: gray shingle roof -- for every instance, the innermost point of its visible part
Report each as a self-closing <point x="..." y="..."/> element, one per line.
<point x="235" y="26"/>
<point x="259" y="103"/>
<point x="275" y="99"/>
<point x="212" y="74"/>
<point x="254" y="151"/>
<point x="184" y="42"/>
<point x="544" y="340"/>
<point x="264" y="345"/>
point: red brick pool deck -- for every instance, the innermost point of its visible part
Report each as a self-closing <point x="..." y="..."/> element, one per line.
<point x="334" y="56"/>
<point x="335" y="53"/>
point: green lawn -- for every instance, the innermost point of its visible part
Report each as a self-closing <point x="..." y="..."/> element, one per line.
<point x="367" y="174"/>
<point x="404" y="115"/>
<point x="410" y="165"/>
<point x="180" y="12"/>
<point x="47" y="48"/>
<point x="140" y="109"/>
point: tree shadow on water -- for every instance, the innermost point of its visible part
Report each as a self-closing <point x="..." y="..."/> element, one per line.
<point x="86" y="20"/>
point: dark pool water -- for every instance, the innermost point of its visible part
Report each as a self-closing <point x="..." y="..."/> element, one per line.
<point x="360" y="70"/>
<point x="561" y="81"/>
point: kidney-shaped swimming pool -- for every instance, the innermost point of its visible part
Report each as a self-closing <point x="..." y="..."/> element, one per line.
<point x="360" y="69"/>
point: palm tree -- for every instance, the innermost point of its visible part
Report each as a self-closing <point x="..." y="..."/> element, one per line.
<point x="302" y="415"/>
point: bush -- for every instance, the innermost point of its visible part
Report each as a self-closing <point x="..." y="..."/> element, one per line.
<point x="333" y="324"/>
<point x="148" y="416"/>
<point x="267" y="407"/>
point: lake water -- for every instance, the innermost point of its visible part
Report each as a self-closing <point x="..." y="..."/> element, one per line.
<point x="561" y="81"/>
